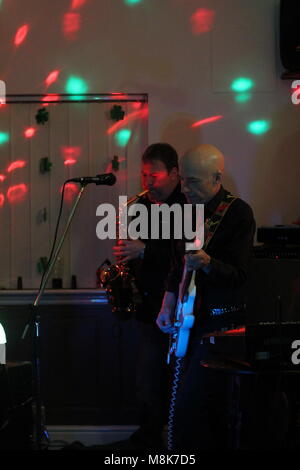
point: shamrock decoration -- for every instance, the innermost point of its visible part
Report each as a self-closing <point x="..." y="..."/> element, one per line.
<point x="117" y="113"/>
<point x="115" y="163"/>
<point x="45" y="165"/>
<point x="42" y="116"/>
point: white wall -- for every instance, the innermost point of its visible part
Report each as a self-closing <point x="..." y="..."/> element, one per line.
<point x="149" y="47"/>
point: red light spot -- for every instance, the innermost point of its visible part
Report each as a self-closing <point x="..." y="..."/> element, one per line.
<point x="21" y="35"/>
<point x="2" y="178"/>
<point x="14" y="165"/>
<point x="29" y="132"/>
<point x="207" y="120"/>
<point x="70" y="161"/>
<point x="136" y="105"/>
<point x="77" y="4"/>
<point x="71" y="190"/>
<point x="2" y="199"/>
<point x="202" y="20"/>
<point x="17" y="193"/>
<point x="71" y="25"/>
<point x="70" y="153"/>
<point x="52" y="77"/>
<point x="135" y="115"/>
<point x="50" y="99"/>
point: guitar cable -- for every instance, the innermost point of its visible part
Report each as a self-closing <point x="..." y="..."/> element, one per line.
<point x="177" y="371"/>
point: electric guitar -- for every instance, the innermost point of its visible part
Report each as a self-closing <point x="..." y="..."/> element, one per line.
<point x="184" y="317"/>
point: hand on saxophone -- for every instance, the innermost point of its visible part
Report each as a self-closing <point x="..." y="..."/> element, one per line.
<point x="127" y="250"/>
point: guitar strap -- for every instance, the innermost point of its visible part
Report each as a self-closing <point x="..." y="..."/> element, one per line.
<point x="215" y="220"/>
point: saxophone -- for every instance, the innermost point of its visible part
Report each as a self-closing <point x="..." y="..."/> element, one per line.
<point x="118" y="282"/>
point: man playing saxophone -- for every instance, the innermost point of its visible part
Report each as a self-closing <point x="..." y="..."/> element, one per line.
<point x="149" y="259"/>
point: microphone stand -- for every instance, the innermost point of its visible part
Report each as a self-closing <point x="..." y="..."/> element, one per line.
<point x="34" y="319"/>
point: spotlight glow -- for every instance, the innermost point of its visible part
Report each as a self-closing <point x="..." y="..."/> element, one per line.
<point x="21" y="35"/>
<point x="76" y="86"/>
<point x="4" y="137"/>
<point x="29" y="132"/>
<point x="77" y="4"/>
<point x="207" y="120"/>
<point x="242" y="84"/>
<point x="71" y="25"/>
<point x="202" y="21"/>
<point x="122" y="137"/>
<point x="2" y="199"/>
<point x="52" y="77"/>
<point x="132" y="2"/>
<point x="15" y="165"/>
<point x="258" y="127"/>
<point x="16" y="193"/>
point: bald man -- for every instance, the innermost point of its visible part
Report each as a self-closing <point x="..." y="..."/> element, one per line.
<point x="203" y="402"/>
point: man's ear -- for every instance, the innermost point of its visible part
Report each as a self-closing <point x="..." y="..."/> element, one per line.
<point x="218" y="177"/>
<point x="174" y="173"/>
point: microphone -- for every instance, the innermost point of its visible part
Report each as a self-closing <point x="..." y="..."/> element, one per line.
<point x="107" y="179"/>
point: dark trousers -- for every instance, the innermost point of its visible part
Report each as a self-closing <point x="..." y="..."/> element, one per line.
<point x="206" y="410"/>
<point x="152" y="383"/>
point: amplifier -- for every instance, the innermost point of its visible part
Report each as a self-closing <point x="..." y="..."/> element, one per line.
<point x="274" y="345"/>
<point x="279" y="234"/>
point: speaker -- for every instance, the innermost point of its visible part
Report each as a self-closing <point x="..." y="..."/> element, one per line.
<point x="273" y="290"/>
<point x="290" y="34"/>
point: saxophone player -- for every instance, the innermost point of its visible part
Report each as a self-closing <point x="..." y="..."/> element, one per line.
<point x="150" y="262"/>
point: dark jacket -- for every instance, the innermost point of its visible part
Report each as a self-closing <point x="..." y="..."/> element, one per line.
<point x="152" y="270"/>
<point x="230" y="251"/>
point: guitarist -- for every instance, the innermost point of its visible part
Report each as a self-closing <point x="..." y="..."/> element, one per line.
<point x="203" y="400"/>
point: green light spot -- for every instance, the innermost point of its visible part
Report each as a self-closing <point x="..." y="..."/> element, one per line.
<point x="122" y="137"/>
<point x="242" y="84"/>
<point x="242" y="97"/>
<point x="132" y="2"/>
<point x="76" y="85"/>
<point x="4" y="137"/>
<point x="258" y="127"/>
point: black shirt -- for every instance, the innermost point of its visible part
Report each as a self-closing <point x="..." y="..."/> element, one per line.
<point x="230" y="251"/>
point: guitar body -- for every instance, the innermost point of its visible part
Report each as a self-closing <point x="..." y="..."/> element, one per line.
<point x="184" y="316"/>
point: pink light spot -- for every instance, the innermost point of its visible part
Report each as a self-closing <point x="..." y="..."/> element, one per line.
<point x="135" y="115"/>
<point x="202" y="21"/>
<point x="14" y="165"/>
<point x="71" y="190"/>
<point x="29" y="132"/>
<point x="207" y="120"/>
<point x="70" y="161"/>
<point x="2" y="199"/>
<point x="77" y="4"/>
<point x="2" y="178"/>
<point x="71" y="25"/>
<point x="70" y="153"/>
<point x="50" y="99"/>
<point x="21" y="35"/>
<point x="16" y="193"/>
<point x="52" y="77"/>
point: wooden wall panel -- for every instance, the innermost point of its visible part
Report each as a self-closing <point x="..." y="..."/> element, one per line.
<point x="20" y="204"/>
<point x="5" y="212"/>
<point x="79" y="131"/>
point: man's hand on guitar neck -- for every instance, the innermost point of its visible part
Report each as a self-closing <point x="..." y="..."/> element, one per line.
<point x="166" y="315"/>
<point x="198" y="260"/>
